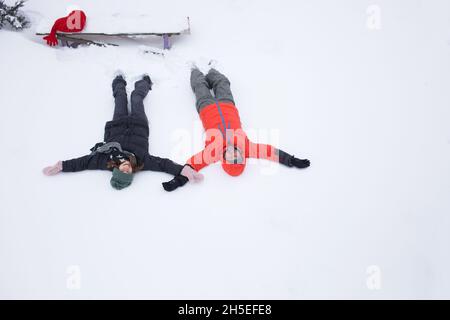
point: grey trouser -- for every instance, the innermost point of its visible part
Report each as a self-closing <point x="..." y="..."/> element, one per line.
<point x="202" y="85"/>
<point x="141" y="89"/>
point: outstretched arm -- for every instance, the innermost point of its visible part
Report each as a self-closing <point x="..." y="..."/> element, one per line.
<point x="188" y="174"/>
<point x="153" y="163"/>
<point x="265" y="151"/>
<point x="197" y="161"/>
<point x="89" y="162"/>
<point x="182" y="174"/>
<point x="53" y="170"/>
<point x="292" y="161"/>
<point x="95" y="161"/>
<point x="191" y="170"/>
<point x="212" y="153"/>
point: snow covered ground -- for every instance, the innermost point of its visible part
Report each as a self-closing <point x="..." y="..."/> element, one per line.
<point x="361" y="88"/>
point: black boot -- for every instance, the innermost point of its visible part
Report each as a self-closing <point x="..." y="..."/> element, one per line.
<point x="148" y="80"/>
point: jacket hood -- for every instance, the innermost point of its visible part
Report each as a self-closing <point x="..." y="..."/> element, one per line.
<point x="233" y="170"/>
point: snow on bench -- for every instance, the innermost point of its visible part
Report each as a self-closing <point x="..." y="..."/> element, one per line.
<point x="120" y="26"/>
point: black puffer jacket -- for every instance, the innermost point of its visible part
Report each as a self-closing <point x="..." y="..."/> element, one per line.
<point x="132" y="133"/>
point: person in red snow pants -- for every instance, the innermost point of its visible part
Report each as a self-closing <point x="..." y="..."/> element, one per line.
<point x="225" y="139"/>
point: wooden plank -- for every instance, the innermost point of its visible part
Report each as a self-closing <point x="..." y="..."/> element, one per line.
<point x="126" y="26"/>
<point x="85" y="41"/>
<point x="112" y="34"/>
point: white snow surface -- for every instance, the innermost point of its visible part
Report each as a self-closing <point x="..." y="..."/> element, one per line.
<point x="369" y="107"/>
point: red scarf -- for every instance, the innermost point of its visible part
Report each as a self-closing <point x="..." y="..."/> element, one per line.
<point x="74" y="22"/>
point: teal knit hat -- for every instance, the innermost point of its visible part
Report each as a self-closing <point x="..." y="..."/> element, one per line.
<point x="120" y="180"/>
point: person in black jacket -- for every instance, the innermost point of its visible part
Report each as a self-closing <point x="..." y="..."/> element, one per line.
<point x="125" y="147"/>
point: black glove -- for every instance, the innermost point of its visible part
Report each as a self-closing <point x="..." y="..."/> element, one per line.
<point x="176" y="182"/>
<point x="299" y="163"/>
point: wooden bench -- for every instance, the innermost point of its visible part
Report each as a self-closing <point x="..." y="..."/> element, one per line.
<point x="120" y="27"/>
